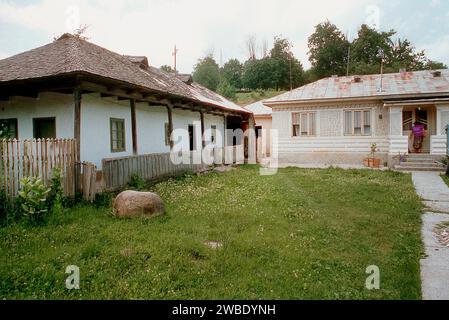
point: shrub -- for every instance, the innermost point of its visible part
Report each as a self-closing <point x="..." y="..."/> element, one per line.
<point x="34" y="199"/>
<point x="136" y="182"/>
<point x="56" y="195"/>
<point x="6" y="207"/>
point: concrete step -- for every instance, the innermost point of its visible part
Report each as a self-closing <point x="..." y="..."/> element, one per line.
<point x="420" y="164"/>
<point x="420" y="160"/>
<point x="429" y="168"/>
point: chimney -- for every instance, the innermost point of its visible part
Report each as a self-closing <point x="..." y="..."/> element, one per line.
<point x="403" y="73"/>
<point x="357" y="79"/>
<point x="436" y="74"/>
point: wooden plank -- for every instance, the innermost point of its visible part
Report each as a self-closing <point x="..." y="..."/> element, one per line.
<point x="77" y="97"/>
<point x="132" y="103"/>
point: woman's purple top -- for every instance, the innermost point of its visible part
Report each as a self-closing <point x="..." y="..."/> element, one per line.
<point x="418" y="130"/>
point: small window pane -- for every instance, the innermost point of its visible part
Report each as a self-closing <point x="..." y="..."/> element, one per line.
<point x="296" y="130"/>
<point x="367" y="122"/>
<point x="304" y="124"/>
<point x="8" y="127"/>
<point x="118" y="135"/>
<point x="312" y="130"/>
<point x="357" y="122"/>
<point x="295" y="118"/>
<point x="348" y="122"/>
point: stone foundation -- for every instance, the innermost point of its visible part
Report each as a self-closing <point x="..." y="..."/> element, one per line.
<point x="329" y="158"/>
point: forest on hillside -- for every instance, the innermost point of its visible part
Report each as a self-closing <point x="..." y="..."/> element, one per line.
<point x="330" y="53"/>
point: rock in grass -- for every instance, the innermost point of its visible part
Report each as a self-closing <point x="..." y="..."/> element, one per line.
<point x="129" y="204"/>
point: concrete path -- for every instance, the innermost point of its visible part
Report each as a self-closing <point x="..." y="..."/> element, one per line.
<point x="435" y="266"/>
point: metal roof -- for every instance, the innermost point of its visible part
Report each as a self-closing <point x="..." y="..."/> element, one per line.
<point x="259" y="109"/>
<point x="393" y="84"/>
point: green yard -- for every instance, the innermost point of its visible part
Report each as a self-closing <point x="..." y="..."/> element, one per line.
<point x="301" y="234"/>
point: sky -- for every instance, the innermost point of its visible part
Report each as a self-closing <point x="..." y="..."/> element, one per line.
<point x="200" y="27"/>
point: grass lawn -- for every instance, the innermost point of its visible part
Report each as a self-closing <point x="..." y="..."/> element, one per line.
<point x="301" y="234"/>
<point x="245" y="98"/>
<point x="445" y="179"/>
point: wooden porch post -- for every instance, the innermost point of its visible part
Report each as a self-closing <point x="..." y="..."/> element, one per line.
<point x="203" y="138"/>
<point x="132" y="103"/>
<point x="77" y="96"/>
<point x="170" y="124"/>
<point x="225" y="137"/>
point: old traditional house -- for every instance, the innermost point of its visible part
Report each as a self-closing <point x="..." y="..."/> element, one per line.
<point x="113" y="105"/>
<point x="336" y="120"/>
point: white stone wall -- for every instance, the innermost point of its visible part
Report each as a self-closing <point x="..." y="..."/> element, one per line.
<point x="47" y="105"/>
<point x="96" y="113"/>
<point x="151" y="122"/>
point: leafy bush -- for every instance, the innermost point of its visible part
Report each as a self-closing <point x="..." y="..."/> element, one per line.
<point x="103" y="200"/>
<point x="33" y="197"/>
<point x="56" y="194"/>
<point x="136" y="182"/>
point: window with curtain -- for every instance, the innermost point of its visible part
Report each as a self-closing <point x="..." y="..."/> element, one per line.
<point x="118" y="135"/>
<point x="304" y="124"/>
<point x="9" y="128"/>
<point x="357" y="122"/>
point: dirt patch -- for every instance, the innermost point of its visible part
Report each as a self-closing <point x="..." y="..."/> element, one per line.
<point x="442" y="233"/>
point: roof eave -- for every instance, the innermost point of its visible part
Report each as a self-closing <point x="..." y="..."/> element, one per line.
<point x="280" y="103"/>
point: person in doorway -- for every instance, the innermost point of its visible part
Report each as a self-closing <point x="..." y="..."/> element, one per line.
<point x="418" y="133"/>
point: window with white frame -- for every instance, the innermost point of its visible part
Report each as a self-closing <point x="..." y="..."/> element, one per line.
<point x="357" y="122"/>
<point x="304" y="124"/>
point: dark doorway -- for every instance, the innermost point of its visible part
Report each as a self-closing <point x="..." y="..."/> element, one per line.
<point x="44" y="128"/>
<point x="421" y="117"/>
<point x="191" y="137"/>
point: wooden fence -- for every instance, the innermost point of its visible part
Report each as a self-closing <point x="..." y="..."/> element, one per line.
<point x="88" y="181"/>
<point x="117" y="172"/>
<point x="37" y="157"/>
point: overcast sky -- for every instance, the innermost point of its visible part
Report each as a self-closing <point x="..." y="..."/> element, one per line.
<point x="198" y="27"/>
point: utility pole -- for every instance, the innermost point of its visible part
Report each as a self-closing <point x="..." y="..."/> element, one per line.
<point x="175" y="53"/>
<point x="349" y="55"/>
<point x="291" y="80"/>
<point x="290" y="58"/>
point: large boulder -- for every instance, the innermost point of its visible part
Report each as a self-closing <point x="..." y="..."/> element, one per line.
<point x="130" y="204"/>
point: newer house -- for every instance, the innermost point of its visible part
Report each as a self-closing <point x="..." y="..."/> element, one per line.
<point x="113" y="105"/>
<point x="337" y="119"/>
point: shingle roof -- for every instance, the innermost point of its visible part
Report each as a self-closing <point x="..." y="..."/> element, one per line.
<point x="259" y="109"/>
<point x="70" y="54"/>
<point x="419" y="82"/>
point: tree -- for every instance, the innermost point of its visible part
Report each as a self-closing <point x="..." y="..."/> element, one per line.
<point x="167" y="68"/>
<point x="285" y="67"/>
<point x="251" y="47"/>
<point x="207" y="73"/>
<point x="232" y="73"/>
<point x="257" y="74"/>
<point x="434" y="65"/>
<point x="405" y="57"/>
<point x="328" y="50"/>
<point x="226" y="89"/>
<point x="365" y="48"/>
